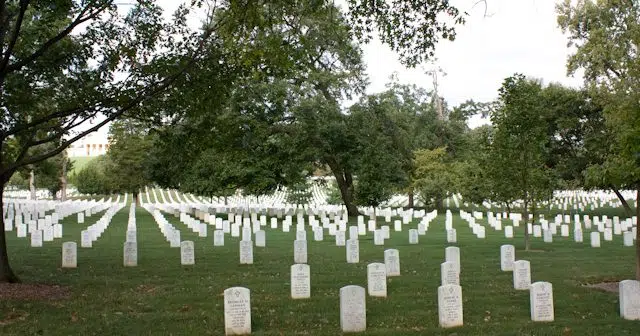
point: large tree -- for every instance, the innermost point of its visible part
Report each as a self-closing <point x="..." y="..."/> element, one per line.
<point x="64" y="63"/>
<point x="605" y="36"/>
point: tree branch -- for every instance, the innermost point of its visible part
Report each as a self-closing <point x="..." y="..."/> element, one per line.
<point x="159" y="87"/>
<point x="14" y="35"/>
<point x="56" y="115"/>
<point x="62" y="34"/>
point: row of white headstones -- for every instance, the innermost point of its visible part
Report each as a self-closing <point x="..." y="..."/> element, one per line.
<point x="246" y="252"/>
<point x="93" y="232"/>
<point x="30" y="218"/>
<point x="604" y="227"/>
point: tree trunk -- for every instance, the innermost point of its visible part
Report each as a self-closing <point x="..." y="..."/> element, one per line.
<point x="346" y="192"/>
<point x="32" y="184"/>
<point x="63" y="178"/>
<point x="638" y="232"/>
<point x="6" y="273"/>
<point x="411" y="199"/>
<point x="345" y="184"/>
<point x="625" y="205"/>
<point x="439" y="204"/>
<point x="136" y="198"/>
<point x="527" y="243"/>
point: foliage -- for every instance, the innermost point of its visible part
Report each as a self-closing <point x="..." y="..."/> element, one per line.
<point x="474" y="183"/>
<point x="577" y="133"/>
<point x="519" y="145"/>
<point x="604" y="34"/>
<point x="380" y="152"/>
<point x="125" y="164"/>
<point x="411" y="28"/>
<point x="47" y="173"/>
<point x="299" y="193"/>
<point x="435" y="175"/>
<point x="91" y="179"/>
<point x="18" y="181"/>
<point x="333" y="194"/>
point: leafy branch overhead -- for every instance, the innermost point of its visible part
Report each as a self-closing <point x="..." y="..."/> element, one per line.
<point x="411" y="28"/>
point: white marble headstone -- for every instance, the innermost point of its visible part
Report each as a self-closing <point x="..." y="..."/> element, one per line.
<point x="341" y="238"/>
<point x="132" y="236"/>
<point x="130" y="254"/>
<point x="521" y="275"/>
<point x="261" y="239"/>
<point x="237" y="310"/>
<point x="246" y="252"/>
<point x="85" y="239"/>
<point x="218" y="238"/>
<point x="413" y="236"/>
<point x="377" y="279"/>
<point x="629" y="294"/>
<point x="508" y="231"/>
<point x="300" y="251"/>
<point x="577" y="236"/>
<point x="378" y="237"/>
<point x="451" y="236"/>
<point x="507" y="257"/>
<point x="450" y="313"/>
<point x="36" y="238"/>
<point x="353" y="251"/>
<point x="187" y="253"/>
<point x="300" y="281"/>
<point x="69" y="255"/>
<point x="627" y="238"/>
<point x="541" y="301"/>
<point x="449" y="273"/>
<point x="595" y="239"/>
<point x="353" y="309"/>
<point x="392" y="261"/>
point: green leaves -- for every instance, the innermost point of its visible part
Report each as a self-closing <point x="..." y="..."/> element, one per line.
<point x="91" y="179"/>
<point x="605" y="35"/>
<point x="519" y="143"/>
<point x="411" y="28"/>
<point x="434" y="175"/>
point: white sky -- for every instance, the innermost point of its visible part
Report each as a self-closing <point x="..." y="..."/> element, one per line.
<point x="516" y="36"/>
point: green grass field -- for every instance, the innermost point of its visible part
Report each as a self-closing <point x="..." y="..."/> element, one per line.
<point x="161" y="297"/>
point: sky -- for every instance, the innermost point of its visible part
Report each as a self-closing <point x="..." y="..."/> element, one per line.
<point x="515" y="36"/>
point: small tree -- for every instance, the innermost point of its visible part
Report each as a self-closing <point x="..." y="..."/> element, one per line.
<point x="91" y="179"/>
<point x="125" y="161"/>
<point x="519" y="144"/>
<point x="434" y="176"/>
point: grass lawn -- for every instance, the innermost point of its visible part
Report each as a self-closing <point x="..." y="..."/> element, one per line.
<point x="161" y="297"/>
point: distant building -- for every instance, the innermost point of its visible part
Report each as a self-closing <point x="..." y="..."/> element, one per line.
<point x="94" y="144"/>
